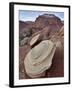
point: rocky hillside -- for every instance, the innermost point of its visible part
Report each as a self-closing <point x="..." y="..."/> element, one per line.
<point x="42" y="21"/>
<point x="22" y="25"/>
<point x="50" y="27"/>
<point x="48" y="20"/>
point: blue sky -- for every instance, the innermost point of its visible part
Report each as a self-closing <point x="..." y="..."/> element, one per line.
<point x="25" y="15"/>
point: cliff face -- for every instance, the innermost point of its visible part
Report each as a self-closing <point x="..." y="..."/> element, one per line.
<point x="50" y="27"/>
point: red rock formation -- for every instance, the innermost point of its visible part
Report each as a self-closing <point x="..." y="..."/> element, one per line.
<point x="48" y="20"/>
<point x="51" y="28"/>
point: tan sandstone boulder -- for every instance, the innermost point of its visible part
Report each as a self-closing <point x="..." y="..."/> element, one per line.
<point x="39" y="59"/>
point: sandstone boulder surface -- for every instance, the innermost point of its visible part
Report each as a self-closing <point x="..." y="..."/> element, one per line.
<point x="39" y="59"/>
